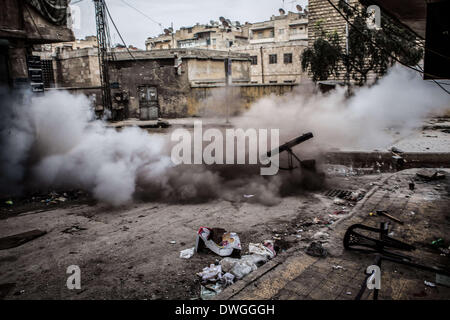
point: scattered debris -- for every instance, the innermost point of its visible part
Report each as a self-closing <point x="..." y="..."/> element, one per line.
<point x="20" y="238"/>
<point x="9" y="202"/>
<point x="319" y="221"/>
<point x="337" y="267"/>
<point x="213" y="281"/>
<point x="346" y="195"/>
<point x="187" y="253"/>
<point x="348" y="293"/>
<point x="430" y="284"/>
<point x="249" y="195"/>
<point x="443" y="280"/>
<point x="18" y="293"/>
<point x="387" y="215"/>
<point x="211" y="273"/>
<point x="316" y="249"/>
<point x="206" y="294"/>
<point x="321" y="235"/>
<point x="339" y="201"/>
<point x="264" y="249"/>
<point x="339" y="212"/>
<point x="438" y="242"/>
<point x="430" y="174"/>
<point x="73" y="229"/>
<point x="218" y="241"/>
<point x="243" y="266"/>
<point x="228" y="278"/>
<point x="173" y="242"/>
<point x="411" y="186"/>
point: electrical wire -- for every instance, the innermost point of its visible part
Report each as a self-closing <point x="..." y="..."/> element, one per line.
<point x="118" y="32"/>
<point x="126" y="47"/>
<point x="142" y="13"/>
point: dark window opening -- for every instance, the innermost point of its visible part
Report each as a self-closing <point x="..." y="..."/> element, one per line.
<point x="288" y="58"/>
<point x="254" y="60"/>
<point x="272" y="58"/>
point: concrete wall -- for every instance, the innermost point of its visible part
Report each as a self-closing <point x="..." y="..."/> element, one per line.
<point x="322" y="14"/>
<point x="178" y="96"/>
<point x="283" y="34"/>
<point x="213" y="71"/>
<point x="174" y="90"/>
<point x="263" y="72"/>
<point x="214" y="101"/>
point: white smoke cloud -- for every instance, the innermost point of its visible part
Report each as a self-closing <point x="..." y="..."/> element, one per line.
<point x="400" y="100"/>
<point x="53" y="142"/>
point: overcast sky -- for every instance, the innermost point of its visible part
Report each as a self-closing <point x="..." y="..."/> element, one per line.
<point x="136" y="27"/>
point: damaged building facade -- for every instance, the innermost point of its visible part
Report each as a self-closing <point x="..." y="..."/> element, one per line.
<point x="275" y="47"/>
<point x="24" y="23"/>
<point x="161" y="83"/>
<point x="215" y="36"/>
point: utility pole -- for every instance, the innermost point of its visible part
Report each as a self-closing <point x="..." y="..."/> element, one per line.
<point x="228" y="81"/>
<point x="103" y="48"/>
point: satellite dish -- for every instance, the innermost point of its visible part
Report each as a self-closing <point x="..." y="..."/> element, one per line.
<point x="299" y="8"/>
<point x="225" y="23"/>
<point x="306" y="11"/>
<point x="211" y="22"/>
<point x="282" y="12"/>
<point x="222" y="19"/>
<point x="166" y="31"/>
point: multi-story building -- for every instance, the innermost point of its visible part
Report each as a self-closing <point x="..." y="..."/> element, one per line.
<point x="324" y="17"/>
<point x="275" y="47"/>
<point x="215" y="35"/>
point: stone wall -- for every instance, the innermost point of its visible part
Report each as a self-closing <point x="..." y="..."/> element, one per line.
<point x="76" y="68"/>
<point x="322" y="13"/>
<point x="178" y="96"/>
<point x="172" y="88"/>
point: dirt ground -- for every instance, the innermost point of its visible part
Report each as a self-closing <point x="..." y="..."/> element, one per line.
<point x="128" y="252"/>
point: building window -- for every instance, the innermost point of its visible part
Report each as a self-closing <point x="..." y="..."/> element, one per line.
<point x="272" y="58"/>
<point x="273" y="81"/>
<point x="272" y="33"/>
<point x="280" y="31"/>
<point x="254" y="60"/>
<point x="189" y="30"/>
<point x="214" y="41"/>
<point x="288" y="58"/>
<point x="260" y="35"/>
